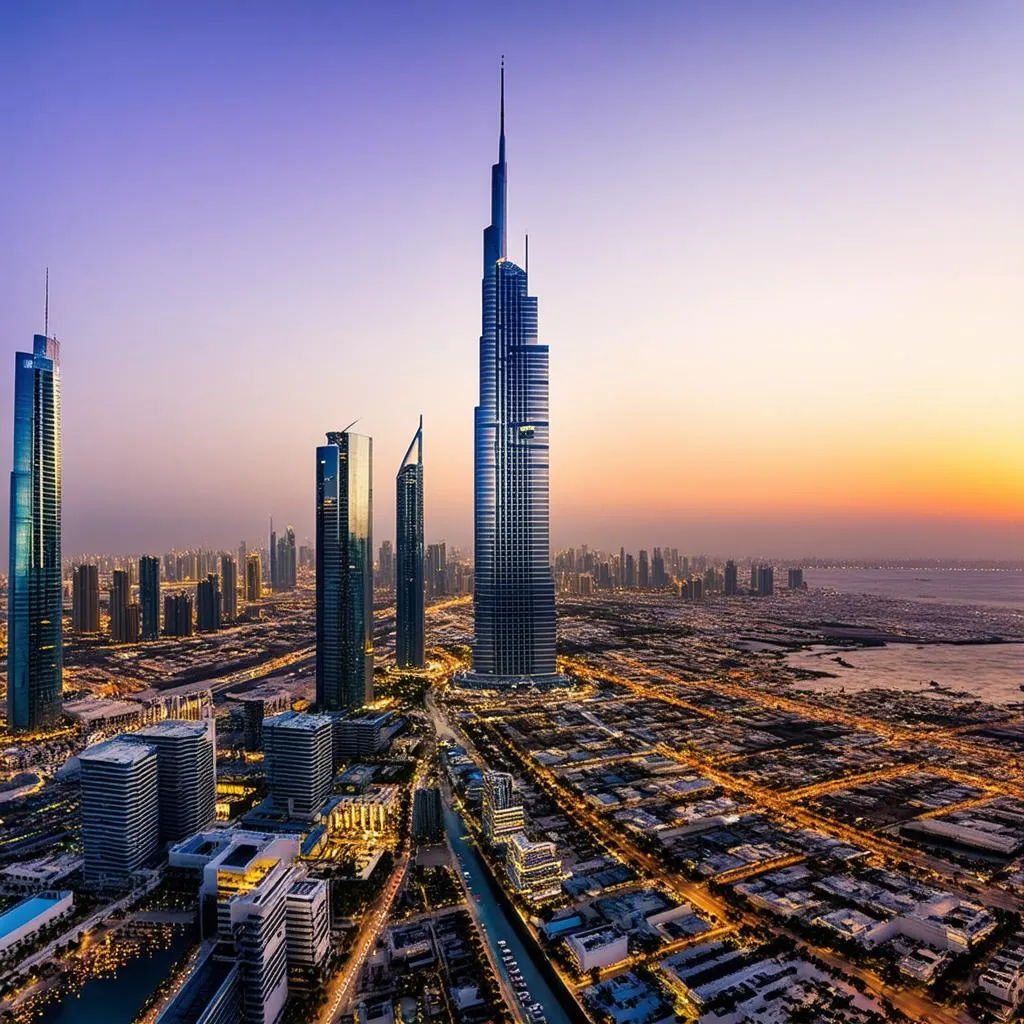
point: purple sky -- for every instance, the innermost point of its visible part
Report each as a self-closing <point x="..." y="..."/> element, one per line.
<point x="778" y="249"/>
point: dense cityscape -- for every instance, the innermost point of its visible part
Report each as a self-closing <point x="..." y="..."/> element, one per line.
<point x="341" y="778"/>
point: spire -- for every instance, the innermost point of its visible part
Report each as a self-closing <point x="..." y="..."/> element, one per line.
<point x="501" y="136"/>
<point x="417" y="443"/>
<point x="494" y="235"/>
<point x="46" y="297"/>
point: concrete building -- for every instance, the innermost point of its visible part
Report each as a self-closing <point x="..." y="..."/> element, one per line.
<point x="308" y="923"/>
<point x="22" y="922"/>
<point x="369" y="813"/>
<point x="253" y="577"/>
<point x="120" y="810"/>
<point x="85" y="599"/>
<point x="502" y="815"/>
<point x="598" y="947"/>
<point x="298" y="752"/>
<point x="186" y="773"/>
<point x="533" y="869"/>
<point x="427" y="817"/>
<point x="229" y="587"/>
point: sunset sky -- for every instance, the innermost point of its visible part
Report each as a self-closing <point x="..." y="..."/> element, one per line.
<point x="778" y="247"/>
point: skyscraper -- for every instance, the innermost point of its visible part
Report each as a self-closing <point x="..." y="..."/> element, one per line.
<point x="299" y="762"/>
<point x="35" y="651"/>
<point x="124" y="614"/>
<point x="409" y="622"/>
<point x="273" y="556"/>
<point x="437" y="569"/>
<point x="385" y="566"/>
<point x="514" y="591"/>
<point x="85" y="599"/>
<point x="253" y="576"/>
<point x="149" y="596"/>
<point x="178" y="615"/>
<point x="208" y="604"/>
<point x="502" y="815"/>
<point x="644" y="574"/>
<point x="229" y="593"/>
<point x="344" y="571"/>
<point x="731" y="587"/>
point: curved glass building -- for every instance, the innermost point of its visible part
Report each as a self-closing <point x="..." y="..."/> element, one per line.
<point x="409" y="641"/>
<point x="514" y="593"/>
<point x="35" y="652"/>
<point x="344" y="571"/>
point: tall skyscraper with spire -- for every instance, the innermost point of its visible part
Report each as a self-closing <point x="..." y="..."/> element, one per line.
<point x="514" y="592"/>
<point x="35" y="651"/>
<point x="409" y="618"/>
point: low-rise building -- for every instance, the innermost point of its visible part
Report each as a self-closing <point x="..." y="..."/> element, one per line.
<point x="26" y="919"/>
<point x="598" y="947"/>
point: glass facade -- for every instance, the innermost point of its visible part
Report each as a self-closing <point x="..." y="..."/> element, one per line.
<point x="35" y="653"/>
<point x="344" y="571"/>
<point x="514" y="593"/>
<point x="409" y="629"/>
<point x="149" y="596"/>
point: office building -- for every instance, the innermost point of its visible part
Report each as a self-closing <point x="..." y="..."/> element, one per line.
<point x="120" y="809"/>
<point x="178" y="615"/>
<point x="85" y="599"/>
<point x="186" y="774"/>
<point x="731" y="587"/>
<point x="502" y="815"/>
<point x="409" y="613"/>
<point x="299" y="762"/>
<point x="437" y="569"/>
<point x="644" y="572"/>
<point x="796" y="579"/>
<point x="371" y="813"/>
<point x="765" y="581"/>
<point x="285" y="561"/>
<point x="273" y="557"/>
<point x="385" y="565"/>
<point x="124" y="614"/>
<point x="229" y="588"/>
<point x="344" y="571"/>
<point x="630" y="574"/>
<point x="695" y="590"/>
<point x="35" y="592"/>
<point x="360" y="735"/>
<point x="149" y="596"/>
<point x="308" y="923"/>
<point x="532" y="868"/>
<point x="253" y="577"/>
<point x="514" y="590"/>
<point x="208" y="604"/>
<point x="659" y="578"/>
<point x="252" y="723"/>
<point x="427" y="817"/>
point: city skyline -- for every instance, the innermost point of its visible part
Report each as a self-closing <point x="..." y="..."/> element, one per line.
<point x="815" y="331"/>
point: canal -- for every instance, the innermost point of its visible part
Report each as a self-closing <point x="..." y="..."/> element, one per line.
<point x="117" y="998"/>
<point x="498" y="924"/>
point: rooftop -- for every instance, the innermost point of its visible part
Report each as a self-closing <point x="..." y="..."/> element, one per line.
<point x="117" y="751"/>
<point x="21" y="913"/>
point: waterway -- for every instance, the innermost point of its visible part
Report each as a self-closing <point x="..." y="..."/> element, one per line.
<point x="496" y="921"/>
<point x="117" y="998"/>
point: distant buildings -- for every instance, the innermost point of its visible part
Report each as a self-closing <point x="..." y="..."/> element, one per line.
<point x="730" y="587"/>
<point x="253" y="577"/>
<point x="124" y="614"/>
<point x="763" y="580"/>
<point x="299" y="762"/>
<point x="437" y="569"/>
<point x="149" y="596"/>
<point x="35" y="652"/>
<point x="120" y="810"/>
<point x="344" y="571"/>
<point x="178" y="615"/>
<point x="644" y="574"/>
<point x="285" y="562"/>
<point x="208" y="604"/>
<point x="229" y="592"/>
<point x="85" y="599"/>
<point x="796" y="579"/>
<point x="502" y="816"/>
<point x="514" y="592"/>
<point x="386" y="566"/>
<point x="409" y="620"/>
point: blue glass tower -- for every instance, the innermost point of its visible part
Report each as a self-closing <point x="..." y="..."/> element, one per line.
<point x="514" y="593"/>
<point x="344" y="571"/>
<point x="409" y="618"/>
<point x="35" y="651"/>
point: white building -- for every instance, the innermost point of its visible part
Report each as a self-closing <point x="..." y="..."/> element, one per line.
<point x="308" y="922"/>
<point x="26" y="919"/>
<point x="1004" y="977"/>
<point x="299" y="762"/>
<point x="598" y="947"/>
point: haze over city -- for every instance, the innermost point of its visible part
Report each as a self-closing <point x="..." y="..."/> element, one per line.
<point x="777" y="248"/>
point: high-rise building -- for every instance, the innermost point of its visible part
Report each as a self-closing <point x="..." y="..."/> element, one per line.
<point x="229" y="591"/>
<point x="630" y="582"/>
<point x="186" y="757"/>
<point x="658" y="577"/>
<point x="514" y="590"/>
<point x="299" y="762"/>
<point x="644" y="575"/>
<point x="533" y="869"/>
<point x="765" y="581"/>
<point x="344" y="571"/>
<point x="149" y="596"/>
<point x="273" y="557"/>
<point x="437" y="569"/>
<point x="85" y="599"/>
<point x="731" y="585"/>
<point x="253" y="577"/>
<point x="796" y="579"/>
<point x="208" y="604"/>
<point x="124" y="614"/>
<point x="120" y="809"/>
<point x="409" y="615"/>
<point x="502" y="816"/>
<point x="308" y="922"/>
<point x="178" y="615"/>
<point x="385" y="566"/>
<point x="286" y="561"/>
<point x="252" y="723"/>
<point x="35" y="596"/>
<point x="427" y="818"/>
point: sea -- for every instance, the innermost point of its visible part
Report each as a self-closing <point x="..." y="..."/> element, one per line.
<point x="991" y="672"/>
